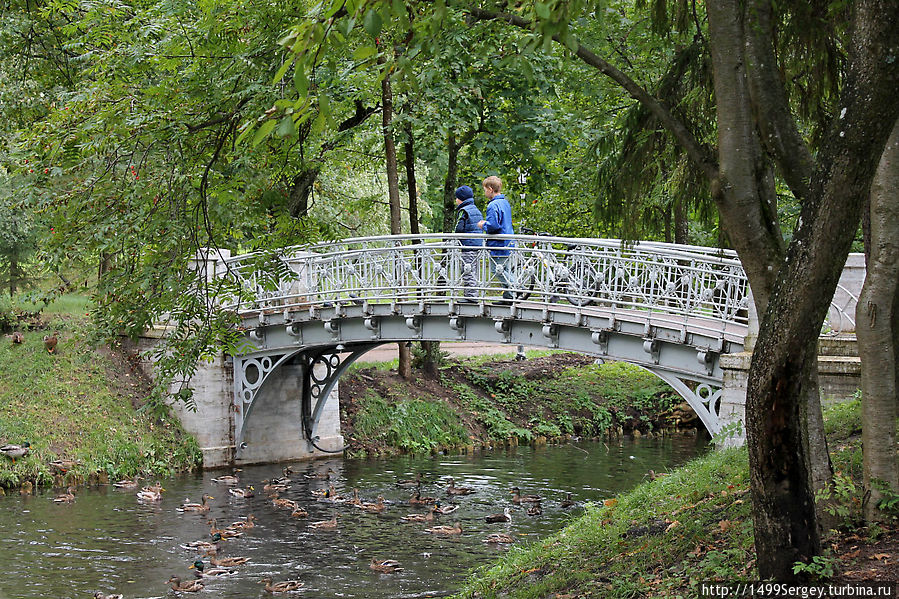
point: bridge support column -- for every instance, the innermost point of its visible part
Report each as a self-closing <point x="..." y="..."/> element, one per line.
<point x="732" y="412"/>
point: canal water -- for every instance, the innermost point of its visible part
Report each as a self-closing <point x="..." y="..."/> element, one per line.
<point x="109" y="541"/>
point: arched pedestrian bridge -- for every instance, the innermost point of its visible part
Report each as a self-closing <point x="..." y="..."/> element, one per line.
<point x="309" y="312"/>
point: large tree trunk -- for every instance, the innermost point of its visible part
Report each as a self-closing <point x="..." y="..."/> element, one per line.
<point x="782" y="378"/>
<point x="393" y="189"/>
<point x="13" y="274"/>
<point x="877" y="328"/>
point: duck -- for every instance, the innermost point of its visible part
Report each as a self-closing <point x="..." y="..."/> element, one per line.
<point x="325" y="524"/>
<point x="299" y="513"/>
<point x="417" y="499"/>
<point x="536" y="509"/>
<point x="506" y="516"/>
<point x="355" y="500"/>
<point x="190" y="586"/>
<point x="148" y="495"/>
<point x="228" y="562"/>
<point x="452" y="489"/>
<point x="653" y="475"/>
<point x="127" y="484"/>
<point x="196" y="507"/>
<point x="67" y="497"/>
<point x="445" y="509"/>
<point x="320" y="475"/>
<point x="222" y="532"/>
<point x="50" y="342"/>
<point x="285" y="586"/>
<point x="200" y="570"/>
<point x="568" y="502"/>
<point x="284" y="503"/>
<point x="204" y="546"/>
<point x="247" y="522"/>
<point x="242" y="493"/>
<point x="17" y="338"/>
<point x="411" y="482"/>
<point x="517" y="497"/>
<point x="63" y="466"/>
<point x="429" y="517"/>
<point x="455" y="529"/>
<point x="14" y="452"/>
<point x="332" y="496"/>
<point x="99" y="595"/>
<point x="385" y="566"/>
<point x="499" y="538"/>
<point x="227" y="479"/>
<point x="374" y="508"/>
<point x="272" y="487"/>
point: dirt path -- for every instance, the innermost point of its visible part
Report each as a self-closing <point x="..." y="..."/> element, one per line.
<point x="386" y="353"/>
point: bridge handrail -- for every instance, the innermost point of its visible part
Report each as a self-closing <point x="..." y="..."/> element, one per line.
<point x="686" y="282"/>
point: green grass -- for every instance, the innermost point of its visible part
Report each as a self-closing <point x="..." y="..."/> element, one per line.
<point x="411" y="425"/>
<point x="659" y="539"/>
<point x="67" y="407"/>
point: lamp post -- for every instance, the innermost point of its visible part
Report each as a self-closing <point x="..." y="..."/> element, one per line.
<point x="522" y="181"/>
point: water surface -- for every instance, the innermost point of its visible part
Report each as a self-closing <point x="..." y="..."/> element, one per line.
<point x="108" y="541"/>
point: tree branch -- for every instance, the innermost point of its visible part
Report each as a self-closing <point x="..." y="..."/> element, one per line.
<point x="701" y="155"/>
<point x="777" y="127"/>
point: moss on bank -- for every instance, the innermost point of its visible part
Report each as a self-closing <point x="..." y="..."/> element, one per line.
<point x="490" y="400"/>
<point x="693" y="524"/>
<point x="81" y="404"/>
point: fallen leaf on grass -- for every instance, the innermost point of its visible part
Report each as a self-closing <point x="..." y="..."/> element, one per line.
<point x="725" y="525"/>
<point x="674" y="524"/>
<point x="880" y="556"/>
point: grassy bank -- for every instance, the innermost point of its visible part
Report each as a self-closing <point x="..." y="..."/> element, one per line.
<point x="497" y="400"/>
<point x="81" y="404"/>
<point x="693" y="524"/>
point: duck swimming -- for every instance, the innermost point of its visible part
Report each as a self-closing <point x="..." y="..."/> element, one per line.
<point x="67" y="497"/>
<point x="506" y="516"/>
<point x="200" y="570"/>
<point x="285" y="586"/>
<point x="242" y="493"/>
<point x="325" y="524"/>
<point x="386" y="566"/>
<point x="196" y="507"/>
<point x="190" y="586"/>
<point x="455" y="529"/>
<point x="517" y="497"/>
<point x="226" y="480"/>
<point x="452" y="489"/>
<point x="228" y="562"/>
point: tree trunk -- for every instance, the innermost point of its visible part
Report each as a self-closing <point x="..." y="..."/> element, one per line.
<point x="681" y="223"/>
<point x="13" y="274"/>
<point x="411" y="183"/>
<point x="781" y="376"/>
<point x="877" y="328"/>
<point x="449" y="183"/>
<point x="404" y="367"/>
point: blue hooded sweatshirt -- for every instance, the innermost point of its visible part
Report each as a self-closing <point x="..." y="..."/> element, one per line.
<point x="499" y="222"/>
<point x="468" y="217"/>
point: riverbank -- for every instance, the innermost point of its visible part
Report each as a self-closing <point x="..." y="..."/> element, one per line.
<point x="692" y="524"/>
<point x="486" y="401"/>
<point x="80" y="409"/>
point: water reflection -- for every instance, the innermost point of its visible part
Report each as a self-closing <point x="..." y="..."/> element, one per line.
<point x="108" y="541"/>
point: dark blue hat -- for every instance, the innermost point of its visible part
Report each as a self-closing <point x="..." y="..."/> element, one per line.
<point x="464" y="192"/>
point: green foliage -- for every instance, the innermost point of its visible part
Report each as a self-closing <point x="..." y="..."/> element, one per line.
<point x="409" y="425"/>
<point x="841" y="498"/>
<point x="821" y="567"/>
<point x="69" y="405"/>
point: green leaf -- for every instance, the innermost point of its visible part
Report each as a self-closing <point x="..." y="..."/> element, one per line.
<point x="280" y="74"/>
<point x="246" y="131"/>
<point x="263" y="132"/>
<point x="372" y="22"/>
<point x="570" y="42"/>
<point x="542" y="10"/>
<point x="300" y="80"/>
<point x="363" y="52"/>
<point x="285" y="127"/>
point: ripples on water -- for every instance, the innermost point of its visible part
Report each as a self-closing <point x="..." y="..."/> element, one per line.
<point x="109" y="541"/>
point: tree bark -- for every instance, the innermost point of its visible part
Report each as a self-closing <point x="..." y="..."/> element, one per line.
<point x="13" y="275"/>
<point x="681" y="223"/>
<point x="449" y="183"/>
<point x="877" y="328"/>
<point x="404" y="368"/>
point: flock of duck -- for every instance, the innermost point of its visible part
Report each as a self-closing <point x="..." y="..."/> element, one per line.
<point x="220" y="566"/>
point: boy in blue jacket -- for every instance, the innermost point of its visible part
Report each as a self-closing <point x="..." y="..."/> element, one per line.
<point x="468" y="216"/>
<point x="499" y="222"/>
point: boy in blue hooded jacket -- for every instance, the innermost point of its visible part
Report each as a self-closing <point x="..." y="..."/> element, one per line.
<point x="467" y="218"/>
<point x="499" y="222"/>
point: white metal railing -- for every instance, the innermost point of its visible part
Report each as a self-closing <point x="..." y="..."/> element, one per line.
<point x="677" y="280"/>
